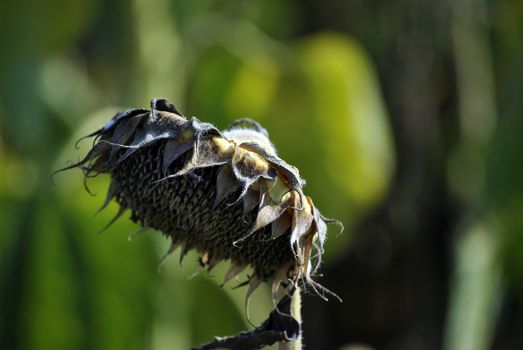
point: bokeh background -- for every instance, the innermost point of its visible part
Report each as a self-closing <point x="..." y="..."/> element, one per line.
<point x="404" y="116"/>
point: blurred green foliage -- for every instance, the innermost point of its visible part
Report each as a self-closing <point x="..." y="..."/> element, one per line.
<point x="73" y="65"/>
<point x="67" y="66"/>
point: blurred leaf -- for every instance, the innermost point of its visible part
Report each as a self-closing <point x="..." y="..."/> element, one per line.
<point x="212" y="78"/>
<point x="47" y="26"/>
<point x="161" y="71"/>
<point x="505" y="190"/>
<point x="504" y="186"/>
<point x="474" y="300"/>
<point x="253" y="89"/>
<point x="116" y="278"/>
<point x="50" y="297"/>
<point x="350" y="117"/>
<point x="327" y="118"/>
<point x="212" y="311"/>
<point x="66" y="88"/>
<point x="277" y="18"/>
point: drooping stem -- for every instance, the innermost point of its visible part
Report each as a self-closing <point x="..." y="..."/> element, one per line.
<point x="296" y="313"/>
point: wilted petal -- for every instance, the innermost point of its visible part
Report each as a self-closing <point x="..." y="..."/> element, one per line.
<point x="167" y="254"/>
<point x="141" y="138"/>
<point x="249" y="166"/>
<point x="233" y="271"/>
<point x="281" y="225"/>
<point x="321" y="227"/>
<point x="290" y="172"/>
<point x="126" y="128"/>
<point x="173" y="150"/>
<point x="205" y="154"/>
<point x="111" y="193"/>
<point x="204" y="128"/>
<point x="266" y="215"/>
<point x="307" y="248"/>
<point x="278" y="190"/>
<point x="281" y="276"/>
<point x="123" y="133"/>
<point x="250" y="201"/>
<point x="301" y="220"/>
<point x="254" y="282"/>
<point x="121" y="210"/>
<point x="268" y="212"/>
<point x="137" y="232"/>
<point x="183" y="252"/>
<point x="118" y="117"/>
<point x="226" y="183"/>
<point x="95" y="152"/>
<point x="151" y="132"/>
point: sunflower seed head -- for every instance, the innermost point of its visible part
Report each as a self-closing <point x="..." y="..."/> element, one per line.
<point x="225" y="194"/>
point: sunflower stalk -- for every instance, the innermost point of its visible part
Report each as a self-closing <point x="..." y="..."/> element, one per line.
<point x="296" y="314"/>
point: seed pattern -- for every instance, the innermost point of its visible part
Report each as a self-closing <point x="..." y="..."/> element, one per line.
<point x="224" y="194"/>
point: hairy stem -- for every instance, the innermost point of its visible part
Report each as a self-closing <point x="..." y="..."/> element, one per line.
<point x="296" y="313"/>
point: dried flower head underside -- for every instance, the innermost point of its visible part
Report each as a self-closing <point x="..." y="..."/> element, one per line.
<point x="225" y="194"/>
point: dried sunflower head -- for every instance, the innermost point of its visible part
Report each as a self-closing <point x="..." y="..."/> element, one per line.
<point x="225" y="194"/>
